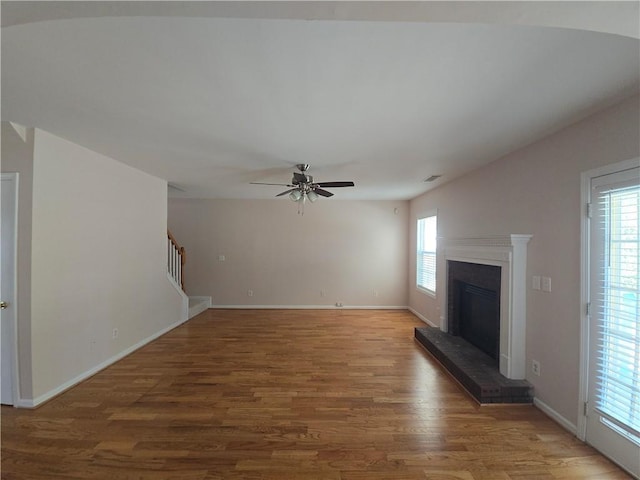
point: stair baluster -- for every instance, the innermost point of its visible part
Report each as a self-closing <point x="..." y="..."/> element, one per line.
<point x="176" y="258"/>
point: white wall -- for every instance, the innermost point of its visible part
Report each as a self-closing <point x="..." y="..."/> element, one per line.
<point x="98" y="262"/>
<point x="347" y="249"/>
<point x="536" y="190"/>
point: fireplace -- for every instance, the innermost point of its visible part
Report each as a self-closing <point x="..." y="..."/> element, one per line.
<point x="474" y="305"/>
<point x="506" y="257"/>
<point x="481" y="338"/>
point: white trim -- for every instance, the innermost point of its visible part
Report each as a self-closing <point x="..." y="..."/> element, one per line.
<point x="20" y="130"/>
<point x="89" y="373"/>
<point x="550" y="412"/>
<point x="488" y="240"/>
<point x="426" y="291"/>
<point x="184" y="311"/>
<point x="311" y="307"/>
<point x="433" y="212"/>
<point x="203" y="303"/>
<point x="14" y="177"/>
<point x="510" y="253"/>
<point x="585" y="294"/>
<point x="423" y="318"/>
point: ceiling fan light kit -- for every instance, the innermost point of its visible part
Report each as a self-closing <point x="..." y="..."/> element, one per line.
<point x="304" y="188"/>
<point x="295" y="195"/>
<point x="312" y="196"/>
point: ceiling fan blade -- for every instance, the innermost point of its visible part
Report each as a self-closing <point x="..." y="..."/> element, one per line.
<point x="299" y="178"/>
<point x="288" y="191"/>
<point x="322" y="192"/>
<point x="336" y="184"/>
<point x="278" y="184"/>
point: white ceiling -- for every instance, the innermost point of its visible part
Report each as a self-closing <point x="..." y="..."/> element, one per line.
<point x="211" y="96"/>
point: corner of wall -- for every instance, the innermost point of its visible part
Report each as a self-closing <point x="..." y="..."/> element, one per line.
<point x="17" y="156"/>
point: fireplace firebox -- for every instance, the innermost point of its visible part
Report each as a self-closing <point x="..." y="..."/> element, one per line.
<point x="478" y="317"/>
<point x="474" y="305"/>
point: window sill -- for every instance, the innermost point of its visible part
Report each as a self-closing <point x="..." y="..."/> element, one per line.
<point x="423" y="290"/>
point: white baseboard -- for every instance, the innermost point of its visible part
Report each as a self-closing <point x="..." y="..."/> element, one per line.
<point x="310" y="307"/>
<point x="201" y="304"/>
<point x="423" y="318"/>
<point x="26" y="403"/>
<point x="550" y="412"/>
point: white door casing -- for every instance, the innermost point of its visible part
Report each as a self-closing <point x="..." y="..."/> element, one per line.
<point x="8" y="315"/>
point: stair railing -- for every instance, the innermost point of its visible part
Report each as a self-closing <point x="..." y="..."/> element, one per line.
<point x="176" y="258"/>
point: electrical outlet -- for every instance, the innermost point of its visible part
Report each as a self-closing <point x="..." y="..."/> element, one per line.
<point x="249" y="293"/>
<point x="535" y="367"/>
<point x="339" y="304"/>
<point x="546" y="284"/>
<point x="221" y="258"/>
<point x="115" y="333"/>
<point x="323" y="293"/>
<point x="375" y="293"/>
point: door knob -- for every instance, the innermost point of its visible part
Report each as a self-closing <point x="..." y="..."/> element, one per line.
<point x="3" y="305"/>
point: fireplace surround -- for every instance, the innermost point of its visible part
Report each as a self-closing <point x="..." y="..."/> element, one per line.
<point x="509" y="253"/>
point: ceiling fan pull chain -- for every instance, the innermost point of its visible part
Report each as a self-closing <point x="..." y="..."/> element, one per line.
<point x="301" y="203"/>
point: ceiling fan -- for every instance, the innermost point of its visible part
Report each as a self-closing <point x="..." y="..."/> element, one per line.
<point x="303" y="187"/>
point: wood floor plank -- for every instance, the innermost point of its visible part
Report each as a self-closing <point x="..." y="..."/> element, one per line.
<point x="286" y="394"/>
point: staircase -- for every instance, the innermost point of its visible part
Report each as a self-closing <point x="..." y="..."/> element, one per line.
<point x="176" y="258"/>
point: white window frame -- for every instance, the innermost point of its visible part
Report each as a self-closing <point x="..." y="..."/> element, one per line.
<point x="420" y="287"/>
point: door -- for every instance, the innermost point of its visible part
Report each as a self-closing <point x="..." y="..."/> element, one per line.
<point x="613" y="393"/>
<point x="8" y="230"/>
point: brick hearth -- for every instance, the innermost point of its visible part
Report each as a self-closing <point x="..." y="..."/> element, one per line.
<point x="473" y="369"/>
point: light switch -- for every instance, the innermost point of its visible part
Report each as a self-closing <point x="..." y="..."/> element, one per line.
<point x="535" y="283"/>
<point x="546" y="284"/>
<point x="221" y="258"/>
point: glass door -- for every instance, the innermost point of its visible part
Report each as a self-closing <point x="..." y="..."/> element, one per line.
<point x="613" y="404"/>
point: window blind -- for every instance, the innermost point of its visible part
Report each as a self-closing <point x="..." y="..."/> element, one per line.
<point x="618" y="342"/>
<point x="426" y="253"/>
<point x="427" y="270"/>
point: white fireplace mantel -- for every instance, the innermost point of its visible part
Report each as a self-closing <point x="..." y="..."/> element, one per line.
<point x="510" y="253"/>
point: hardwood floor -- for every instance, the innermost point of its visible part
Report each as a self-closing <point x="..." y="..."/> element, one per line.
<point x="286" y="394"/>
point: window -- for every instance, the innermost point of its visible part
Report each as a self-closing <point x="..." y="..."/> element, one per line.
<point x="426" y="254"/>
